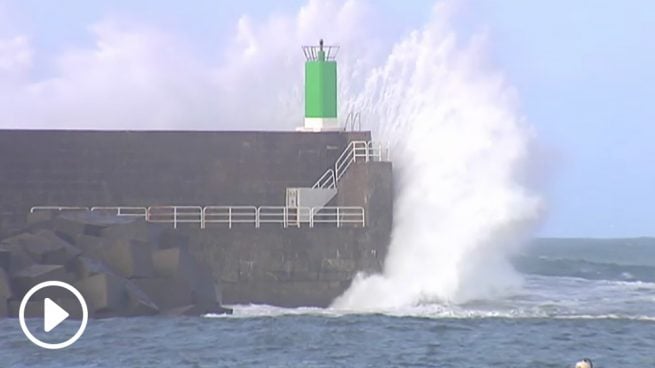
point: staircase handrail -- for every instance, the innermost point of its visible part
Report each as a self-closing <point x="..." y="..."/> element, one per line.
<point x="326" y="181"/>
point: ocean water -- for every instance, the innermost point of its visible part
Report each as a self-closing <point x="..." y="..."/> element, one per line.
<point x="579" y="299"/>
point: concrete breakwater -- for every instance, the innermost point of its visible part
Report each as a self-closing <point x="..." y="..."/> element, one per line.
<point x="297" y="265"/>
<point x="121" y="267"/>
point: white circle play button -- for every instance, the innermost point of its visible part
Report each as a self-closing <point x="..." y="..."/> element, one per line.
<point x="53" y="315"/>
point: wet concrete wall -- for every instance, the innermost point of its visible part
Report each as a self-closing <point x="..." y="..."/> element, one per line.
<point x="272" y="264"/>
<point x="303" y="266"/>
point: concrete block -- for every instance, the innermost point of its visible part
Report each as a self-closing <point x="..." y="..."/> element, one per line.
<point x="104" y="293"/>
<point x="29" y="277"/>
<point x="67" y="229"/>
<point x="130" y="259"/>
<point x="134" y="230"/>
<point x="5" y="259"/>
<point x="206" y="292"/>
<point x="6" y="291"/>
<point x="19" y="258"/>
<point x="167" y="293"/>
<point x="171" y="238"/>
<point x="93" y="229"/>
<point x="4" y="308"/>
<point x="39" y="217"/>
<point x="208" y="299"/>
<point x="47" y="248"/>
<point x="33" y="308"/>
<point x="139" y="303"/>
<point x="172" y="262"/>
<point x="84" y="267"/>
<point x="178" y="263"/>
<point x="91" y="246"/>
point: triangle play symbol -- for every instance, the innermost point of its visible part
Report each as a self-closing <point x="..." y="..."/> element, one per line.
<point x="53" y="315"/>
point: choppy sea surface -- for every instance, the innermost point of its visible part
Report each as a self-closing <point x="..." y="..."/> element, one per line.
<point x="585" y="298"/>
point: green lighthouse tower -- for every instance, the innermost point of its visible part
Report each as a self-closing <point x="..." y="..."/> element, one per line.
<point x="320" y="88"/>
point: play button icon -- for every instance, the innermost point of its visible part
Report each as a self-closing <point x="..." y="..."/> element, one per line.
<point x="53" y="315"/>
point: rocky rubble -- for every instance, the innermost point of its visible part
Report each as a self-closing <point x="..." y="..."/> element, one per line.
<point x="122" y="266"/>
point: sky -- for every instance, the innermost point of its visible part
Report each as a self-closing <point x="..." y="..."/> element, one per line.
<point x="583" y="71"/>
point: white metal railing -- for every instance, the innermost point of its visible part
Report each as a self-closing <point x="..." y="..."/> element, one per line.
<point x="298" y="215"/>
<point x="327" y="181"/>
<point x="57" y="208"/>
<point x="230" y="215"/>
<point x="123" y="211"/>
<point x="338" y="216"/>
<point x="362" y="150"/>
<point x="175" y="215"/>
<point x="356" y="150"/>
<point x="272" y="215"/>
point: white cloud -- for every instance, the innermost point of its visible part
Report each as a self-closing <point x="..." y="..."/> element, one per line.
<point x="15" y="55"/>
<point x="135" y="77"/>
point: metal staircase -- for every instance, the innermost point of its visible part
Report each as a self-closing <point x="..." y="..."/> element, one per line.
<point x="326" y="187"/>
<point x="361" y="151"/>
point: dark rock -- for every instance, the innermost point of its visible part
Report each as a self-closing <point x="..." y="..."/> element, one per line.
<point x="136" y="229"/>
<point x="39" y="217"/>
<point x="139" y="303"/>
<point x="5" y="286"/>
<point x="4" y="308"/>
<point x="5" y="293"/>
<point x="5" y="259"/>
<point x="84" y="267"/>
<point x="19" y="258"/>
<point x="91" y="246"/>
<point x="47" y="248"/>
<point x="36" y="274"/>
<point x="129" y="258"/>
<point x="33" y="308"/>
<point x="171" y="238"/>
<point x="104" y="293"/>
<point x="167" y="293"/>
<point x="177" y="263"/>
<point x="93" y="230"/>
<point x="170" y="262"/>
<point x="67" y="229"/>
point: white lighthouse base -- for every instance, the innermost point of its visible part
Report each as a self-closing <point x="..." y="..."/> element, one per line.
<point x="320" y="125"/>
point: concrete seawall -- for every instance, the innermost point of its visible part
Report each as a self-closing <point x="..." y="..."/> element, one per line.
<point x="274" y="265"/>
